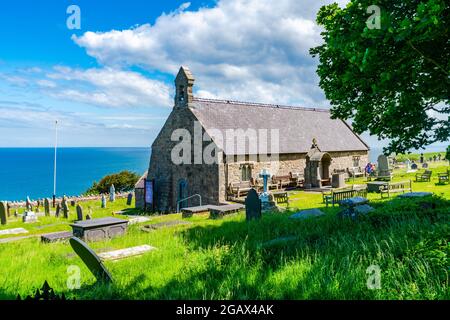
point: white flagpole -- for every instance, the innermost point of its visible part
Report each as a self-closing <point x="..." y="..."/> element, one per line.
<point x="54" y="166"/>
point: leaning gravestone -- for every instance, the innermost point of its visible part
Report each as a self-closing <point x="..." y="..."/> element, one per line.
<point x="3" y="214"/>
<point x="79" y="213"/>
<point x="129" y="199"/>
<point x="46" y="207"/>
<point x="91" y="260"/>
<point x="252" y="205"/>
<point x="38" y="206"/>
<point x="103" y="201"/>
<point x="112" y="193"/>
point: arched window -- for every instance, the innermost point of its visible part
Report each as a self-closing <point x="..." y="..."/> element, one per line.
<point x="246" y="172"/>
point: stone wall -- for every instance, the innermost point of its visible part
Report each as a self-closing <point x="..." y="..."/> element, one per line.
<point x="201" y="179"/>
<point x="284" y="164"/>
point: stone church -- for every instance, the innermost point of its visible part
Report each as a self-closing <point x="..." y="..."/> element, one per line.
<point x="282" y="139"/>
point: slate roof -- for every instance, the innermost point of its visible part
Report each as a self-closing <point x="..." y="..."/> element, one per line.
<point x="296" y="126"/>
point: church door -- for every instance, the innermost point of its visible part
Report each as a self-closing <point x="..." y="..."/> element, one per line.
<point x="182" y="193"/>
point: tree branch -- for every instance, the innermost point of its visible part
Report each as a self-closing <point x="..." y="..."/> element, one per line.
<point x="429" y="59"/>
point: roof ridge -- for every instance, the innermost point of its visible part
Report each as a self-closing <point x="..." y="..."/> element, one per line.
<point x="258" y="104"/>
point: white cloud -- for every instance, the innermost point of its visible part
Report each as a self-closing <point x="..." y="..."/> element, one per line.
<point x="240" y="49"/>
<point x="108" y="87"/>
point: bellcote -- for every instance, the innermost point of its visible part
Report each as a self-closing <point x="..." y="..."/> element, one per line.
<point x="183" y="84"/>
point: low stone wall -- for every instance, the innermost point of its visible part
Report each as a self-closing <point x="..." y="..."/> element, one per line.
<point x="22" y="204"/>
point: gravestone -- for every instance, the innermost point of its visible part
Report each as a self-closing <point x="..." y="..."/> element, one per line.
<point x="73" y="203"/>
<point x="8" y="208"/>
<point x="129" y="199"/>
<point x="58" y="209"/>
<point x="65" y="209"/>
<point x="425" y="165"/>
<point x="304" y="214"/>
<point x="3" y="214"/>
<point x="38" y="206"/>
<point x="28" y="205"/>
<point x="252" y="205"/>
<point x="112" y="193"/>
<point x="421" y="158"/>
<point x="91" y="260"/>
<point x="47" y="207"/>
<point x="79" y="212"/>
<point x="29" y="217"/>
<point x="414" y="166"/>
<point x="88" y="217"/>
<point x="383" y="166"/>
<point x="103" y="201"/>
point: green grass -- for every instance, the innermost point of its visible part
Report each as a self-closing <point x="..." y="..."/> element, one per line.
<point x="416" y="156"/>
<point x="225" y="259"/>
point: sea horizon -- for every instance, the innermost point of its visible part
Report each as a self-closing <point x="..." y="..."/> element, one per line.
<point x="28" y="171"/>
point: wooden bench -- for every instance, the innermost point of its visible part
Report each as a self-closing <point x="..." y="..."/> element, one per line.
<point x="444" y="177"/>
<point x="281" y="197"/>
<point x="339" y="195"/>
<point x="239" y="188"/>
<point x="298" y="179"/>
<point x="396" y="187"/>
<point x="356" y="172"/>
<point x="424" y="176"/>
<point x="282" y="181"/>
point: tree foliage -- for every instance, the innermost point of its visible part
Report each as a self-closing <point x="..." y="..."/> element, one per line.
<point x="123" y="181"/>
<point x="447" y="155"/>
<point x="392" y="81"/>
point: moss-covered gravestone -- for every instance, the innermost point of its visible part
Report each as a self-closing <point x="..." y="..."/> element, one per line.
<point x="65" y="208"/>
<point x="79" y="213"/>
<point x="47" y="207"/>
<point x="58" y="210"/>
<point x="3" y="214"/>
<point x="91" y="260"/>
<point x="252" y="205"/>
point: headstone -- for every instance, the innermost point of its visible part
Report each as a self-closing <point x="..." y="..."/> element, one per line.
<point x="88" y="217"/>
<point x="47" y="207"/>
<point x="425" y="165"/>
<point x="363" y="209"/>
<point x="112" y="193"/>
<point x="253" y="205"/>
<point x="38" y="206"/>
<point x="29" y="217"/>
<point x="91" y="260"/>
<point x="8" y="208"/>
<point x="307" y="214"/>
<point x="79" y="212"/>
<point x="3" y="212"/>
<point x="56" y="236"/>
<point x="13" y="231"/>
<point x="103" y="201"/>
<point x="414" y="166"/>
<point x="73" y="203"/>
<point x="58" y="209"/>
<point x="421" y="158"/>
<point x="129" y="199"/>
<point x="28" y="205"/>
<point x="416" y="195"/>
<point x="383" y="166"/>
<point x="65" y="209"/>
<point x="125" y="253"/>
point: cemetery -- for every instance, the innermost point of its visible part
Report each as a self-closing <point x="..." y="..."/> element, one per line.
<point x="280" y="243"/>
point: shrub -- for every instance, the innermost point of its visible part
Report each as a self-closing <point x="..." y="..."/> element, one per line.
<point x="123" y="181"/>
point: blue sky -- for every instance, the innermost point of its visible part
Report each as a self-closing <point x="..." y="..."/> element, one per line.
<point x="111" y="82"/>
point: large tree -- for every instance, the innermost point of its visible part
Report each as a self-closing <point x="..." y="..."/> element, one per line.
<point x="391" y="79"/>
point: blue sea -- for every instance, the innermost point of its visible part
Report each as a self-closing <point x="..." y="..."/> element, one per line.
<point x="29" y="171"/>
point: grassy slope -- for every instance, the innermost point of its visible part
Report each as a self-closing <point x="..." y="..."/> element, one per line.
<point x="223" y="259"/>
